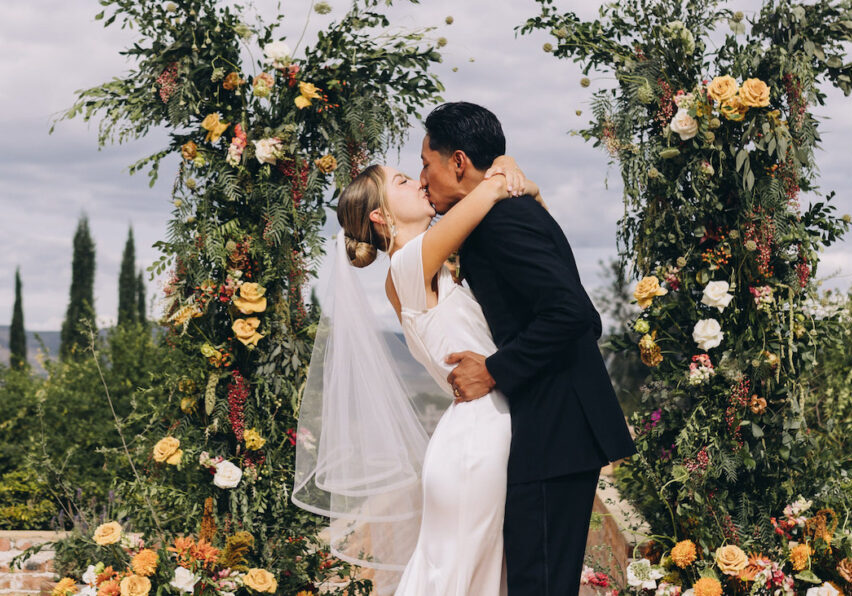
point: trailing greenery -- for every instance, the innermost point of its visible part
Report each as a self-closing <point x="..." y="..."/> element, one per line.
<point x="713" y="135"/>
<point x="268" y="135"/>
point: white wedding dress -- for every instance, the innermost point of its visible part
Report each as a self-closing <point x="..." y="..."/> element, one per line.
<point x="459" y="550"/>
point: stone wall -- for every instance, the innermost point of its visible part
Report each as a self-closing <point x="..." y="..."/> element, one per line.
<point x="36" y="576"/>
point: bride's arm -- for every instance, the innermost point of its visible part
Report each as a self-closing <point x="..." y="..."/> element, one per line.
<point x="446" y="236"/>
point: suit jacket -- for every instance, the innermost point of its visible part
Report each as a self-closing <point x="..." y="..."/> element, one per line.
<point x="565" y="416"/>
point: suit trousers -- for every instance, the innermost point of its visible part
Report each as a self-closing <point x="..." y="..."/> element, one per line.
<point x="544" y="533"/>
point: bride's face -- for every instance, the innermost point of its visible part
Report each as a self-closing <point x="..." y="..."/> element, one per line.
<point x="408" y="202"/>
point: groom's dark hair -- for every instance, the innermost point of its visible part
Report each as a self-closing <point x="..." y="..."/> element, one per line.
<point x="463" y="126"/>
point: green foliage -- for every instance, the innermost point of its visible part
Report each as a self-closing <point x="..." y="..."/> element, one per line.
<point x="717" y="200"/>
<point x="81" y="303"/>
<point x="17" y="336"/>
<point x="249" y="212"/>
<point x="25" y="501"/>
<point x="127" y="289"/>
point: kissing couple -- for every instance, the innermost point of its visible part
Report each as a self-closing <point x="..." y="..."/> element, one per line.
<point x="498" y="499"/>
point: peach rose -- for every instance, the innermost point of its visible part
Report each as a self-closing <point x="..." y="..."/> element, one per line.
<point x="108" y="533"/>
<point x="754" y="93"/>
<point x="844" y="568"/>
<point x="260" y="580"/>
<point x="722" y="88"/>
<point x="647" y="289"/>
<point x="251" y="298"/>
<point x="731" y="559"/>
<point x="135" y="585"/>
<point x="246" y="330"/>
<point x="189" y="150"/>
<point x="168" y="450"/>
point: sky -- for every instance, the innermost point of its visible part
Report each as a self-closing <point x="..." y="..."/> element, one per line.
<point x="50" y="48"/>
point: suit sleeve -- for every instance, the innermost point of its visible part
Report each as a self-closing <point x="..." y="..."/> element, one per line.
<point x="527" y="261"/>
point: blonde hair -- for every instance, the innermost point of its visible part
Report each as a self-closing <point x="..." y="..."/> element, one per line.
<point x="365" y="194"/>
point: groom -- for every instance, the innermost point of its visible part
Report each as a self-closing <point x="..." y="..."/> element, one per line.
<point x="566" y="422"/>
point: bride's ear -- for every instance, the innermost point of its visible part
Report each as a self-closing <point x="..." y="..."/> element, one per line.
<point x="377" y="217"/>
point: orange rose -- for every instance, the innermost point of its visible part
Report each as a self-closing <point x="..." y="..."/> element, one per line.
<point x="189" y="150"/>
<point x="232" y="81"/>
<point x="214" y="127"/>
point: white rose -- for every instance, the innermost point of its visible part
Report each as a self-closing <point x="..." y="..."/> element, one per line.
<point x="824" y="590"/>
<point x="88" y="591"/>
<point x="684" y="125"/>
<point x="227" y="475"/>
<point x="266" y="150"/>
<point x="90" y="576"/>
<point x="184" y="580"/>
<point x="707" y="333"/>
<point x="278" y="53"/>
<point x="716" y="294"/>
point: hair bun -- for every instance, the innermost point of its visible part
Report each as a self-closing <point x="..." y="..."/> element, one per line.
<point x="360" y="253"/>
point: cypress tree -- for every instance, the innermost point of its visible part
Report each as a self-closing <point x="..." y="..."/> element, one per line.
<point x="17" y="337"/>
<point x="141" y="314"/>
<point x="127" y="285"/>
<point x="81" y="303"/>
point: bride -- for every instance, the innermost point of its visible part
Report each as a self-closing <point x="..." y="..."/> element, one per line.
<point x="437" y="508"/>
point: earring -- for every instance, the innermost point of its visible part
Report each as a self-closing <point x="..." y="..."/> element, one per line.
<point x="392" y="230"/>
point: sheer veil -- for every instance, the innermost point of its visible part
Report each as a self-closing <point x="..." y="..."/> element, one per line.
<point x="361" y="441"/>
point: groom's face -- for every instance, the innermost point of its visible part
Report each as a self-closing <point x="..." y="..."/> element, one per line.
<point x="439" y="178"/>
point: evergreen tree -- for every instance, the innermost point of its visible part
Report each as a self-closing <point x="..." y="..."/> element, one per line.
<point x="81" y="304"/>
<point x="127" y="286"/>
<point x="141" y="314"/>
<point x="17" y="337"/>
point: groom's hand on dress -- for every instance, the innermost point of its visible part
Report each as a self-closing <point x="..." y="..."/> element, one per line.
<point x="470" y="379"/>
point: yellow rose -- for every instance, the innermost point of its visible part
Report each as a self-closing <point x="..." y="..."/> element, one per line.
<point x="108" y="533"/>
<point x="165" y="449"/>
<point x="135" y="585"/>
<point x="145" y="562"/>
<point x="722" y="88"/>
<point x="754" y="93"/>
<point x="251" y="298"/>
<point x="214" y="128"/>
<point x="253" y="439"/>
<point x="707" y="586"/>
<point x="683" y="554"/>
<point x="302" y="102"/>
<point x="733" y="109"/>
<point x="647" y="289"/>
<point x="800" y="555"/>
<point x="326" y="164"/>
<point x="246" y="330"/>
<point x="65" y="585"/>
<point x="260" y="580"/>
<point x="731" y="559"/>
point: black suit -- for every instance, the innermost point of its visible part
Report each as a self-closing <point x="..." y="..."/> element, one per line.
<point x="566" y="421"/>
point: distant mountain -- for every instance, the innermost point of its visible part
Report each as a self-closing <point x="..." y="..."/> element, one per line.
<point x="51" y="340"/>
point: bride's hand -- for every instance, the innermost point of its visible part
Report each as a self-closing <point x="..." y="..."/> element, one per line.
<point x="516" y="182"/>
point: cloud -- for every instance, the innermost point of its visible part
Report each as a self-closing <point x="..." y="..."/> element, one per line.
<point x="52" y="48"/>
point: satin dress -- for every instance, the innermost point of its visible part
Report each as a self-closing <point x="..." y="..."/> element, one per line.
<point x="459" y="550"/>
